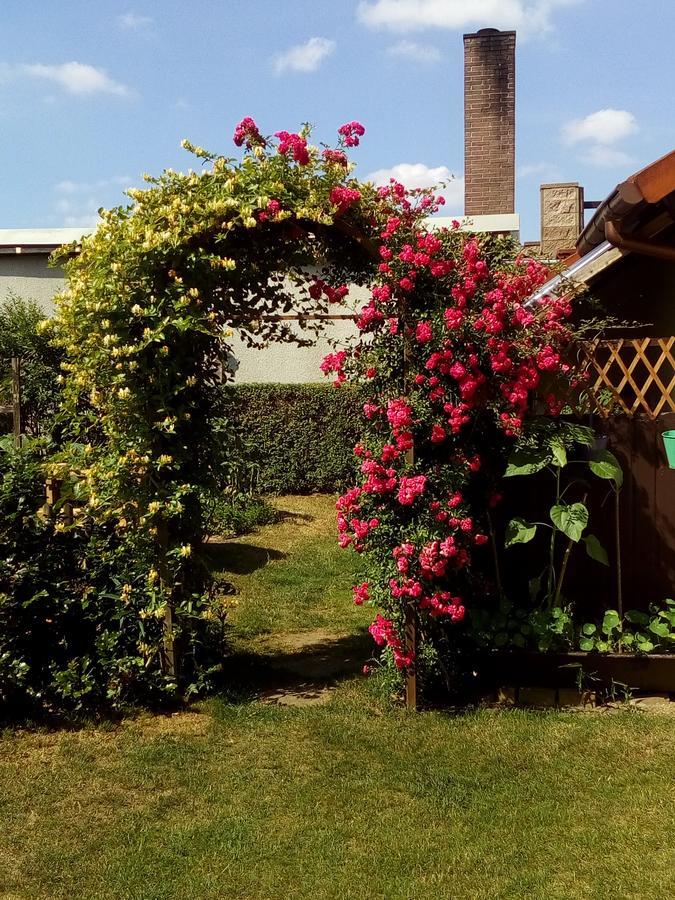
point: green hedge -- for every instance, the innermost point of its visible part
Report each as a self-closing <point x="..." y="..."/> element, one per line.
<point x="298" y="437"/>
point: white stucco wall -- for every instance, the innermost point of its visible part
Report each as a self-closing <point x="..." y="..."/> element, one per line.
<point x="28" y="275"/>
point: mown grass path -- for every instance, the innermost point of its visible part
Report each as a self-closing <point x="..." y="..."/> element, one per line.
<point x="348" y="800"/>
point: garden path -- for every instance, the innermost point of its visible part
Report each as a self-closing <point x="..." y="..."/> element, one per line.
<point x="295" y="631"/>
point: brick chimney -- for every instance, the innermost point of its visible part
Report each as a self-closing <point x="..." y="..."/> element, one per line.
<point x="489" y="122"/>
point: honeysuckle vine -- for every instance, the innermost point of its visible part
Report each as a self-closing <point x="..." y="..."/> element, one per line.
<point x="152" y="297"/>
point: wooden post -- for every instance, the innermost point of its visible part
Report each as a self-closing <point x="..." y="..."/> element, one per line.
<point x="52" y="493"/>
<point x="169" y="655"/>
<point x="411" y="647"/>
<point x="410" y="625"/>
<point x="16" y="399"/>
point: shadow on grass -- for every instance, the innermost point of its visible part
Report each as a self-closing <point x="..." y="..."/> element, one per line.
<point x="286" y="515"/>
<point x="239" y="559"/>
<point x="304" y="671"/>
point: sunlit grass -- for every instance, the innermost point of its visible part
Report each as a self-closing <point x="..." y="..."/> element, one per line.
<point x="346" y="801"/>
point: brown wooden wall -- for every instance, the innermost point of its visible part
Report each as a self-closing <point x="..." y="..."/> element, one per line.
<point x="646" y="518"/>
<point x="647" y="508"/>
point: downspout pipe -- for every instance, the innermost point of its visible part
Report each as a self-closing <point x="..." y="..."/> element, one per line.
<point x="634" y="245"/>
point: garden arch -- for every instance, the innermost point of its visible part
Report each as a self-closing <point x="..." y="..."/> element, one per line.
<point x="449" y="361"/>
<point x="144" y="321"/>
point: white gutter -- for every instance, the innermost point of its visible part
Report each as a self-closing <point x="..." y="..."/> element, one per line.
<point x="579" y="273"/>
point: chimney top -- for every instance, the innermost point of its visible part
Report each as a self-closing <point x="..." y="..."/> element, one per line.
<point x="487" y="32"/>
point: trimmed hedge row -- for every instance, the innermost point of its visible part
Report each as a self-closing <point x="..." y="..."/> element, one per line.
<point x="298" y="436"/>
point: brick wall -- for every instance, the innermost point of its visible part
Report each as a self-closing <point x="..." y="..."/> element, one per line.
<point x="489" y="122"/>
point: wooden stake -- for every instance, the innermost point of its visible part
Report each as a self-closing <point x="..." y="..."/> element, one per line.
<point x="16" y="399"/>
<point x="169" y="653"/>
<point x="411" y="647"/>
<point x="52" y="494"/>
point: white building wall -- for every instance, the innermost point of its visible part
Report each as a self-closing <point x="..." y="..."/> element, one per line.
<point x="29" y="276"/>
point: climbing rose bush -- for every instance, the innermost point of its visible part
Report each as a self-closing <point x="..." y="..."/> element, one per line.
<point x="451" y="358"/>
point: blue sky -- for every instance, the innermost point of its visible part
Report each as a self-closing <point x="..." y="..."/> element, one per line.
<point x="94" y="94"/>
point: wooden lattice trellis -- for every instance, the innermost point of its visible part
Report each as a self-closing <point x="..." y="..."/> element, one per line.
<point x="633" y="375"/>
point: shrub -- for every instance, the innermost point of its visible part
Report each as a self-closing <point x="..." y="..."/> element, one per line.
<point x="20" y="335"/>
<point x="239" y="513"/>
<point x="297" y="439"/>
<point x="80" y="620"/>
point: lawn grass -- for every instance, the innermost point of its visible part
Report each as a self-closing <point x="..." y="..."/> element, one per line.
<point x="291" y="576"/>
<point x="344" y="800"/>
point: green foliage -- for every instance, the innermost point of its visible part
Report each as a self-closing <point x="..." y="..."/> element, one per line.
<point x="297" y="438"/>
<point x="238" y="513"/>
<point x="80" y="609"/>
<point x="638" y="631"/>
<point x="553" y="446"/>
<point x="570" y="518"/>
<point x="21" y="335"/>
<point x="514" y="627"/>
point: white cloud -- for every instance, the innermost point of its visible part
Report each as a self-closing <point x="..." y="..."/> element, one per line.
<point x="528" y="17"/>
<point x="77" y="78"/>
<point x="542" y="169"/>
<point x="305" y="57"/>
<point x="419" y="175"/>
<point x="77" y="202"/>
<point x="420" y="53"/>
<point x="606" y="126"/>
<point x="134" y="22"/>
<point x="606" y="157"/>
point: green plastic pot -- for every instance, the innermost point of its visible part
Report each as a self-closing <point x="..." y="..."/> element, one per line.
<point x="669" y="444"/>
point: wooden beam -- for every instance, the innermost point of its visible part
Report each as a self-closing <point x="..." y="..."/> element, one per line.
<point x="16" y="399"/>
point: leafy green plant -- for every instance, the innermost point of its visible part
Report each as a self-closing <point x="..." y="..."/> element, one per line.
<point x="637" y="632"/>
<point x="22" y="336"/>
<point x="299" y="437"/>
<point x="548" y="448"/>
<point x="518" y="628"/>
<point x="237" y="513"/>
<point x="81" y="610"/>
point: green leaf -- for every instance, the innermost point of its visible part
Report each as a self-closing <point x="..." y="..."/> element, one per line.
<point x="661" y="629"/>
<point x="611" y="620"/>
<point x="595" y="549"/>
<point x="605" y="465"/>
<point x="588" y="629"/>
<point x="628" y="639"/>
<point x="645" y="646"/>
<point x="518" y="531"/>
<point x="586" y="644"/>
<point x="526" y="462"/>
<point x="559" y="452"/>
<point x="579" y="434"/>
<point x="637" y="617"/>
<point x="570" y="518"/>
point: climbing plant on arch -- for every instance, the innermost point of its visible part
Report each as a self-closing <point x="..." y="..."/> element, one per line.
<point x="151" y="300"/>
<point x="448" y="353"/>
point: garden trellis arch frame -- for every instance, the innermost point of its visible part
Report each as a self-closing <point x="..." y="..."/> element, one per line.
<point x="151" y="298"/>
